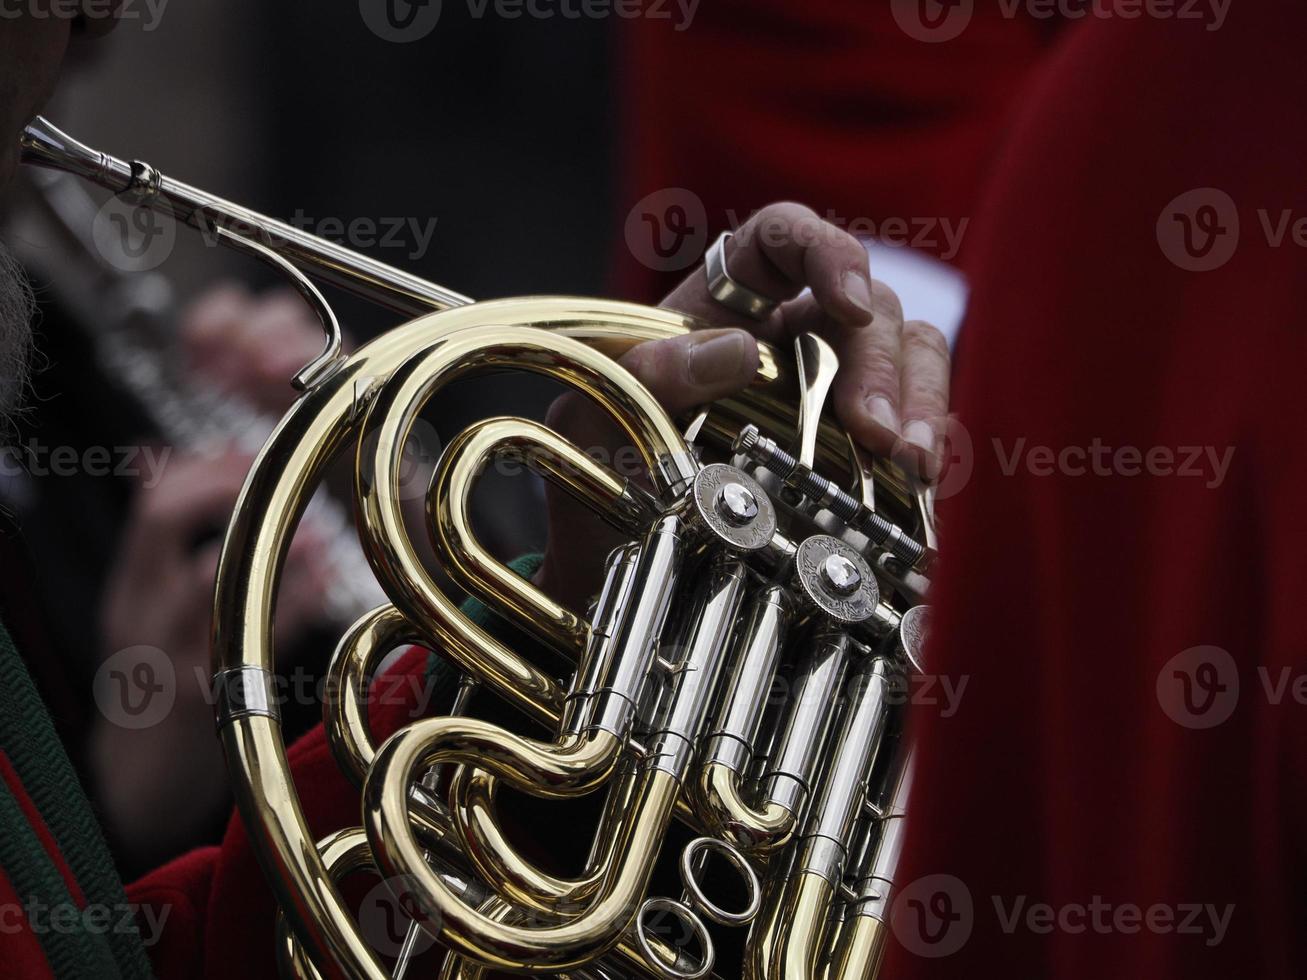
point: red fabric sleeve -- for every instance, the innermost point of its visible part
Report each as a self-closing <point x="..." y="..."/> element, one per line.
<point x="221" y="911"/>
<point x="23" y="957"/>
<point x="1094" y="760"/>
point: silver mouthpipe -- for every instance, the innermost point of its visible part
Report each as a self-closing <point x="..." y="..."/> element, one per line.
<point x="45" y="145"/>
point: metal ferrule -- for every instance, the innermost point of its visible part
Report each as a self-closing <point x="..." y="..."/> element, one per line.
<point x="636" y="646"/>
<point x="816" y="687"/>
<point x="834" y="813"/>
<point x="885" y="620"/>
<point x="716" y="606"/>
<point x="823" y="856"/>
<point x="243" y="692"/>
<point x="752" y="671"/>
<point x="678" y="471"/>
<point x="875" y="886"/>
<point x="613" y="598"/>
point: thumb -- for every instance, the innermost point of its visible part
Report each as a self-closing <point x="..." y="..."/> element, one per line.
<point x="694" y="368"/>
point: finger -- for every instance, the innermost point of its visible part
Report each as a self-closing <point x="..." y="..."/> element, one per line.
<point x="924" y="381"/>
<point x="694" y="368"/>
<point x="779" y="252"/>
<point x="681" y="372"/>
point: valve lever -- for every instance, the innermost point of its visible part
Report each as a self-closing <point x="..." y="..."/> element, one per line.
<point x="817" y="363"/>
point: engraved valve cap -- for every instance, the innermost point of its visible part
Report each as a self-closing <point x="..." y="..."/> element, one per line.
<point x="836" y="579"/>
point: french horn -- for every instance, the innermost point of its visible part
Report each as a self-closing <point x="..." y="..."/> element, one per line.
<point x="736" y="687"/>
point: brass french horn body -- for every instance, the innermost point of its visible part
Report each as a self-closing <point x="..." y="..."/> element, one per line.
<point x="731" y="703"/>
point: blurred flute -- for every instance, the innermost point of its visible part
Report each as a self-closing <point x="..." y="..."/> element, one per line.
<point x="131" y="317"/>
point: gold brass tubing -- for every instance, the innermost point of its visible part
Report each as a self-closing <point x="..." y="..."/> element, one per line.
<point x="549" y="948"/>
<point x="344" y="705"/>
<point x="472" y="803"/>
<point x="626" y="953"/>
<point x="787" y="939"/>
<point x="390" y="418"/>
<point x="472" y="567"/>
<point x="753" y="830"/>
<point x="343" y="853"/>
<point x="344" y="708"/>
<point x="278" y="487"/>
<point x="859" y="949"/>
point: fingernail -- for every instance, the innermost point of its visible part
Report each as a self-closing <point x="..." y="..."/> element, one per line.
<point x="921" y="435"/>
<point x="858" y="291"/>
<point x="717" y="359"/>
<point x="882" y="412"/>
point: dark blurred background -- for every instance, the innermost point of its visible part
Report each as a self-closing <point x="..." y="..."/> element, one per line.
<point x="501" y="131"/>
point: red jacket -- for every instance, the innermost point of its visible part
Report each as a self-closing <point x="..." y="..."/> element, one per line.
<point x="1121" y="792"/>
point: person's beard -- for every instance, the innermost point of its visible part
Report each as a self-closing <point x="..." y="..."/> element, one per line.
<point x="17" y="307"/>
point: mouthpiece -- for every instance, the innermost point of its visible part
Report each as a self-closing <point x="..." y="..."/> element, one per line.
<point x="46" y="145"/>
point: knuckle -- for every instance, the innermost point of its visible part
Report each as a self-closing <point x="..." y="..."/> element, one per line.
<point x="878" y="373"/>
<point x="926" y="337"/>
<point x="927" y="396"/>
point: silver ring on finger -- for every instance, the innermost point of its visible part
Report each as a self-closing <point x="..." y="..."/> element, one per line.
<point x="728" y="292"/>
